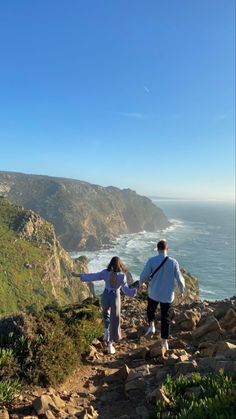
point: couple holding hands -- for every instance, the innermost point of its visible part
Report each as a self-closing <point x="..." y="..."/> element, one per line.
<point x="161" y="271"/>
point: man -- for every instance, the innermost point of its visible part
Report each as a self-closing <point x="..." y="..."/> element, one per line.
<point x="161" y="289"/>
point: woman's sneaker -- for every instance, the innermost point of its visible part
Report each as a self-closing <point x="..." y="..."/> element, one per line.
<point x="151" y="330"/>
<point x="106" y="335"/>
<point x="111" y="349"/>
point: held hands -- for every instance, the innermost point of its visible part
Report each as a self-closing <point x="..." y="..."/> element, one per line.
<point x="142" y="287"/>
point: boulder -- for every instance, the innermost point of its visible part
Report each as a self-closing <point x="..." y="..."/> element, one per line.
<point x="143" y="369"/>
<point x="222" y="349"/>
<point x="123" y="372"/>
<point x="162" y="372"/>
<point x="228" y="366"/>
<point x="155" y="349"/>
<point x="204" y="365"/>
<point x="140" y="353"/>
<point x="42" y="404"/>
<point x="180" y="352"/>
<point x="228" y="322"/>
<point x="221" y="308"/>
<point x="202" y="332"/>
<point x="188" y="319"/>
<point x="185" y="336"/>
<point x="137" y="383"/>
<point x="73" y="411"/>
<point x="93" y="354"/>
<point x="49" y="415"/>
<point x="59" y="403"/>
<point x="172" y="360"/>
<point x="177" y="344"/>
<point x="206" y="349"/>
<point x="183" y="368"/>
<point x="133" y="375"/>
<point x="157" y="394"/>
<point x="90" y="413"/>
<point x="4" y="414"/>
<point x="225" y="348"/>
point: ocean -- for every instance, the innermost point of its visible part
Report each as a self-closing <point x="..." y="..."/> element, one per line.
<point x="201" y="238"/>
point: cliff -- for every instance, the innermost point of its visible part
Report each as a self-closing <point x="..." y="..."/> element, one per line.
<point x="34" y="268"/>
<point x="85" y="216"/>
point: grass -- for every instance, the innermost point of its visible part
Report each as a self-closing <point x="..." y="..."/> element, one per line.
<point x="23" y="287"/>
<point x="212" y="396"/>
<point x="8" y="391"/>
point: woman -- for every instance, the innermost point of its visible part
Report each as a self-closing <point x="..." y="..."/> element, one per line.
<point x="115" y="279"/>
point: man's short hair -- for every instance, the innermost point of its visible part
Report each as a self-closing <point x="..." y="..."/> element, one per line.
<point x="162" y="245"/>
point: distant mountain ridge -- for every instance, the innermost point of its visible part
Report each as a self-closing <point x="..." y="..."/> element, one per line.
<point x="85" y="216"/>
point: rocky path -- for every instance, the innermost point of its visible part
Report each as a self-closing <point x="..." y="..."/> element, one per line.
<point x="126" y="385"/>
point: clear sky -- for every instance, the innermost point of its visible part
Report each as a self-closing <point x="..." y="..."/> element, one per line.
<point x="130" y="93"/>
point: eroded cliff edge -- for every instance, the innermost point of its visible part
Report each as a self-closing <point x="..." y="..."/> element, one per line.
<point x="85" y="216"/>
<point x="34" y="268"/>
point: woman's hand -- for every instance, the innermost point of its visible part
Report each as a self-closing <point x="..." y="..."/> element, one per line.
<point x="74" y="274"/>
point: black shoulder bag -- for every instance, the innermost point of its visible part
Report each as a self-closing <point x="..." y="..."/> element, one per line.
<point x="136" y="283"/>
<point x="159" y="267"/>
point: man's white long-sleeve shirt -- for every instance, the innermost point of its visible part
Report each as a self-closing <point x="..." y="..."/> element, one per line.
<point x="162" y="285"/>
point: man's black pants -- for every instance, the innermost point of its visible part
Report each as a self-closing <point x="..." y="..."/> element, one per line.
<point x="165" y="321"/>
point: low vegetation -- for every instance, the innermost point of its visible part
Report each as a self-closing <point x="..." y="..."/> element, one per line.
<point x="44" y="348"/>
<point x="210" y="396"/>
<point x="33" y="269"/>
<point x="8" y="391"/>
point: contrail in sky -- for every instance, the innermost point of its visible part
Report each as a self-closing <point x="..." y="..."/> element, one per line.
<point x="146" y="89"/>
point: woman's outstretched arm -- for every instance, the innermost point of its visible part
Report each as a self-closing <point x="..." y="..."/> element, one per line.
<point x="98" y="276"/>
<point x="130" y="292"/>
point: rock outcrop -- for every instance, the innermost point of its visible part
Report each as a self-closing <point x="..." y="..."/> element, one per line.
<point x="34" y="268"/>
<point x="85" y="216"/>
<point x="128" y="385"/>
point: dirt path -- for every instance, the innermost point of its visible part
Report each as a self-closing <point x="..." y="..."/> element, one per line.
<point x="98" y="387"/>
<point x="100" y="381"/>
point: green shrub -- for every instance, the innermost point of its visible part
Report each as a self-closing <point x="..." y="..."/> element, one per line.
<point x="8" y="391"/>
<point x="215" y="397"/>
<point x="48" y="345"/>
<point x="8" y="364"/>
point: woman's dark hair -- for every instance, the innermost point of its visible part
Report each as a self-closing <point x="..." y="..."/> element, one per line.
<point x="116" y="265"/>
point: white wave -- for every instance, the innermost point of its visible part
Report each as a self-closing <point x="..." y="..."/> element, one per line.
<point x="176" y="221"/>
<point x="133" y="248"/>
<point x="204" y="291"/>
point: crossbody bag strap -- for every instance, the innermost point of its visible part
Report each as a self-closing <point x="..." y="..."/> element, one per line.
<point x="159" y="267"/>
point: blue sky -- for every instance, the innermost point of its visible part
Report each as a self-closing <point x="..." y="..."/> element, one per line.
<point x="130" y="93"/>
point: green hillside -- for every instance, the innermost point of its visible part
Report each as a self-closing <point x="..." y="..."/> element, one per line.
<point x="33" y="266"/>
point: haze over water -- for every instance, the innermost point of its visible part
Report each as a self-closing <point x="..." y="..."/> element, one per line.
<point x="201" y="238"/>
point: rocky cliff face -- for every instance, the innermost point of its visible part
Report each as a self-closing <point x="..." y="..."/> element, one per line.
<point x="34" y="268"/>
<point x="85" y="216"/>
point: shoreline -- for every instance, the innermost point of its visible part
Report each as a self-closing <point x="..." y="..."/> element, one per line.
<point x="136" y="248"/>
